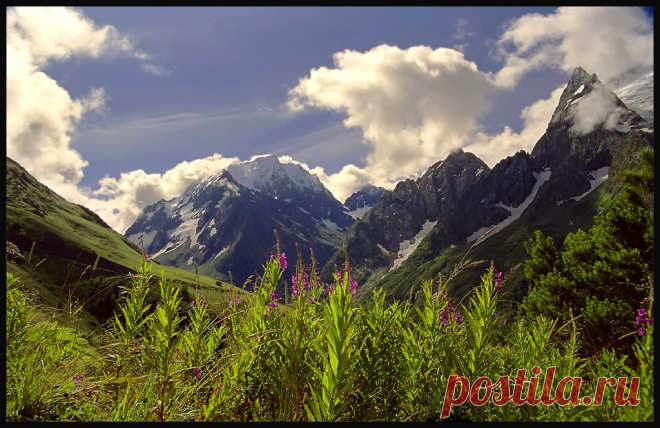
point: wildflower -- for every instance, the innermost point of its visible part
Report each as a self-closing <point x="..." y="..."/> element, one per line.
<point x="353" y="285"/>
<point x="294" y="287"/>
<point x="192" y="303"/>
<point x="232" y="302"/>
<point x="283" y="261"/>
<point x="448" y="313"/>
<point x="329" y="289"/>
<point x="642" y="317"/>
<point x="436" y="294"/>
<point x="498" y="280"/>
<point x="197" y="373"/>
<point x="312" y="301"/>
<point x="77" y="380"/>
<point x="147" y="257"/>
<point x="272" y="305"/>
<point x="201" y="301"/>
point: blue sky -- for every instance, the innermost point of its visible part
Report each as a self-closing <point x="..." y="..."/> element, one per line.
<point x="117" y="107"/>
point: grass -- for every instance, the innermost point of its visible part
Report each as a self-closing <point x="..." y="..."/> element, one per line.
<point x="320" y="357"/>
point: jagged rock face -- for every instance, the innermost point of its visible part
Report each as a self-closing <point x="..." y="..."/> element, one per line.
<point x="463" y="196"/>
<point x="585" y="120"/>
<point x="589" y="124"/>
<point x="222" y="226"/>
<point x="360" y="202"/>
<point x="292" y="184"/>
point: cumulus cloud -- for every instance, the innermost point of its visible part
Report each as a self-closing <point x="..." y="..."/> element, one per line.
<point x="413" y="105"/>
<point x="41" y="115"/>
<point x="119" y="201"/>
<point x="609" y="41"/>
<point x="598" y="107"/>
<point x="493" y="148"/>
<point x="341" y="184"/>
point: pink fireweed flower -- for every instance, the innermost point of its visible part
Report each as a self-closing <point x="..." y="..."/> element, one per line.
<point x="232" y="302"/>
<point x="272" y="305"/>
<point x="498" y="280"/>
<point x="192" y="303"/>
<point x="283" y="261"/>
<point x="352" y="284"/>
<point x="329" y="288"/>
<point x="147" y="257"/>
<point x="448" y="313"/>
<point x="642" y="318"/>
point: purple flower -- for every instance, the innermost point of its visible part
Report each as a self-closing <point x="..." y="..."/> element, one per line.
<point x="196" y="373"/>
<point x="353" y="285"/>
<point x="312" y="301"/>
<point x="147" y="257"/>
<point x="329" y="289"/>
<point x="201" y="301"/>
<point x="448" y="313"/>
<point x="294" y="286"/>
<point x="231" y="302"/>
<point x="642" y="317"/>
<point x="77" y="380"/>
<point x="283" y="261"/>
<point x="272" y="305"/>
<point x="498" y="280"/>
<point x="192" y="303"/>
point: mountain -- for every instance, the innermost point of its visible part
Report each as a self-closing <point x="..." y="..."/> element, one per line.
<point x="426" y="226"/>
<point x="360" y="202"/>
<point x="222" y="226"/>
<point x="638" y="96"/>
<point x="68" y="256"/>
<point x="291" y="183"/>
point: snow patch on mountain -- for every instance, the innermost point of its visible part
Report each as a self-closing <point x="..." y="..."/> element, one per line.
<point x="599" y="176"/>
<point x="331" y="225"/>
<point x="360" y="212"/>
<point x="146" y="237"/>
<point x="407" y="247"/>
<point x="541" y="178"/>
<point x="638" y="96"/>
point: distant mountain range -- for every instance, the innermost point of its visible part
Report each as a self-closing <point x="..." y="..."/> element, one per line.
<point x="225" y="222"/>
<point x="397" y="238"/>
<point x="426" y="226"/>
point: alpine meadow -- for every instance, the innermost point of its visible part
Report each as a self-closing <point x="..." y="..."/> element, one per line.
<point x="426" y="267"/>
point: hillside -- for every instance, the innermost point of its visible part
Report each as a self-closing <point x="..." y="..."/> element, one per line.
<point x="69" y="257"/>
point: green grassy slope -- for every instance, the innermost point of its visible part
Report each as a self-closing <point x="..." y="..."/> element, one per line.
<point x="69" y="257"/>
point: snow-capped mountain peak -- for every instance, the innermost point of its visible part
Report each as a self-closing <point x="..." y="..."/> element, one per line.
<point x="262" y="172"/>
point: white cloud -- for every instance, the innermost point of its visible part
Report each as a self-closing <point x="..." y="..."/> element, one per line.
<point x="41" y="115"/>
<point x="135" y="190"/>
<point x="608" y="41"/>
<point x="493" y="148"/>
<point x="413" y="106"/>
<point x="597" y="107"/>
<point x="156" y="70"/>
